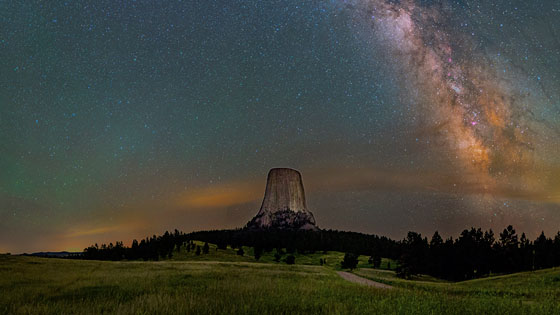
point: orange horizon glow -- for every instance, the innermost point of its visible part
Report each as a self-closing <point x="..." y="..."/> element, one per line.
<point x="231" y="194"/>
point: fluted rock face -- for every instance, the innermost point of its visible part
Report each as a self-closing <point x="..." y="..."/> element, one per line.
<point x="284" y="204"/>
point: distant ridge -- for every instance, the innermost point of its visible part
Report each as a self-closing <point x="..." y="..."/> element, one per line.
<point x="53" y="254"/>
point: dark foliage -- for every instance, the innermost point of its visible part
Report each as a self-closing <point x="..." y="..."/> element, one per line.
<point x="290" y="259"/>
<point x="257" y="252"/>
<point x="473" y="254"/>
<point x="476" y="254"/>
<point x="302" y="241"/>
<point x="151" y="248"/>
<point x="350" y="261"/>
<point x="159" y="247"/>
<point x="375" y="260"/>
<point x="206" y="248"/>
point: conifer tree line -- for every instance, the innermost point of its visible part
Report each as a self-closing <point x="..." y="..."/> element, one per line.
<point x="162" y="247"/>
<point x="150" y="248"/>
<point x="475" y="253"/>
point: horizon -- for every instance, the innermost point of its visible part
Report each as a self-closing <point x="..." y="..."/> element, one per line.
<point x="429" y="237"/>
<point x="124" y="120"/>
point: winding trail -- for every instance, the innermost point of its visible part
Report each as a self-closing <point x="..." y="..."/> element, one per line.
<point x="357" y="279"/>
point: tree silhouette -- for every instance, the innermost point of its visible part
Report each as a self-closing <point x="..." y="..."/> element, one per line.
<point x="508" y="250"/>
<point x="375" y="261"/>
<point x="472" y="255"/>
<point x="350" y="261"/>
<point x="437" y="254"/>
<point x="206" y="248"/>
<point x="257" y="251"/>
<point x="414" y="258"/>
<point x="290" y="259"/>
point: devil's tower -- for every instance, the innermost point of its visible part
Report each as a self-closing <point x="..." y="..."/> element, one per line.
<point x="283" y="206"/>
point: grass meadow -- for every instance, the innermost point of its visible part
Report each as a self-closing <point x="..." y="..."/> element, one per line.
<point x="222" y="282"/>
<point x="331" y="258"/>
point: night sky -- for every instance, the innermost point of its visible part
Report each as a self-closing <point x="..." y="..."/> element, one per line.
<point x="123" y="119"/>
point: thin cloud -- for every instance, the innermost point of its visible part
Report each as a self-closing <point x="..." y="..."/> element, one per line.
<point x="220" y="196"/>
<point x="94" y="231"/>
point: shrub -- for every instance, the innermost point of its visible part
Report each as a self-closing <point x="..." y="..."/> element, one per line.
<point x="375" y="260"/>
<point x="350" y="261"/>
<point x="258" y="252"/>
<point x="206" y="248"/>
<point x="290" y="259"/>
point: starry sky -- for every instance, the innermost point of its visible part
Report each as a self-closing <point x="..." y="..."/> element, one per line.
<point x="123" y="119"/>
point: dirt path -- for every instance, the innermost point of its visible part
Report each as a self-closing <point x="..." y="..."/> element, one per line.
<point x="356" y="279"/>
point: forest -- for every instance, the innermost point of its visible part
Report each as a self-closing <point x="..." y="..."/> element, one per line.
<point x="474" y="254"/>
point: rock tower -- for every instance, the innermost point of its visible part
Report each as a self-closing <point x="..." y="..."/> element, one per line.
<point x="283" y="206"/>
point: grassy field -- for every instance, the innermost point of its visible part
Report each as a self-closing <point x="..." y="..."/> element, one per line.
<point x="203" y="285"/>
<point x="332" y="259"/>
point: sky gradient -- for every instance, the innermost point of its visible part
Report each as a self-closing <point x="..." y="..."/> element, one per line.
<point x="123" y="119"/>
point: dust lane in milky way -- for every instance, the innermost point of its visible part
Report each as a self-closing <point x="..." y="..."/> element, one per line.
<point x="120" y="120"/>
<point x="483" y="116"/>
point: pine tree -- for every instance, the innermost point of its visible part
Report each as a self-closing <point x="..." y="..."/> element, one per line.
<point x="206" y="248"/>
<point x="350" y="261"/>
<point x="257" y="252"/>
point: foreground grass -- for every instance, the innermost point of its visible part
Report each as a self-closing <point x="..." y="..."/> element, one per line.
<point x="539" y="290"/>
<point x="31" y="285"/>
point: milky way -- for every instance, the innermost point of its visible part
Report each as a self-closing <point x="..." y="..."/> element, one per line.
<point x="467" y="100"/>
<point x="125" y="119"/>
